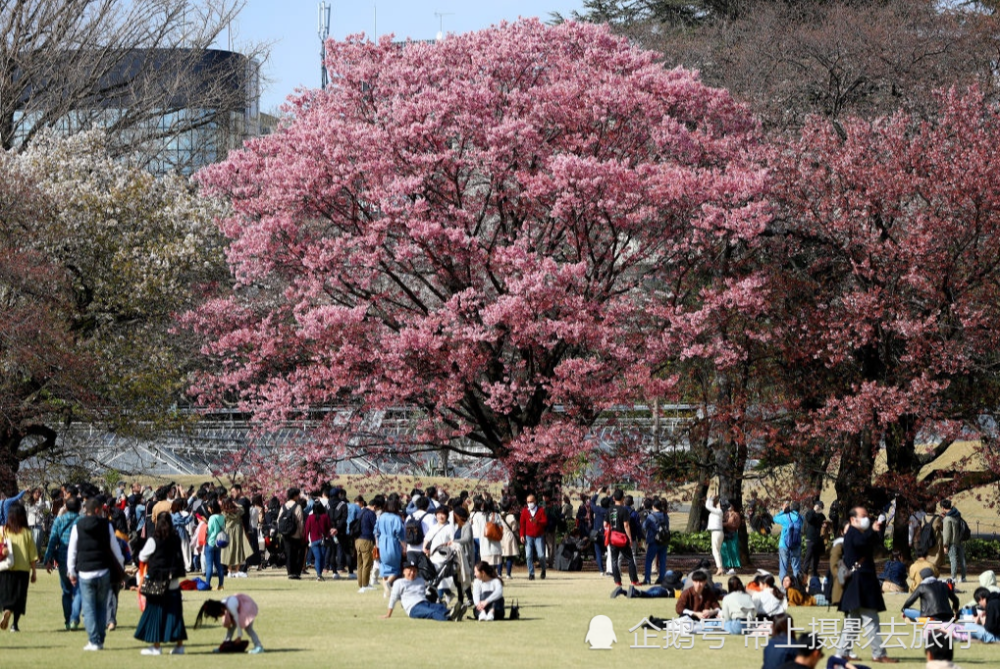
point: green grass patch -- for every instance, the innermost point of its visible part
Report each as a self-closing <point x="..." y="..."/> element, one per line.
<point x="306" y="624"/>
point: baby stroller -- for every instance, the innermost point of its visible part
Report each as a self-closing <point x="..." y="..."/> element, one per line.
<point x="441" y="574"/>
<point x="274" y="550"/>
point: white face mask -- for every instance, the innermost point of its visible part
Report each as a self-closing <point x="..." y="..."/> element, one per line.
<point x="864" y="523"/>
<point x="532" y="507"/>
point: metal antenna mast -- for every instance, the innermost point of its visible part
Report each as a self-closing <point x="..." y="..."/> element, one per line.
<point x="441" y="15"/>
<point x="324" y="33"/>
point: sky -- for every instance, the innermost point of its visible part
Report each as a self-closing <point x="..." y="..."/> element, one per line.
<point x="290" y="26"/>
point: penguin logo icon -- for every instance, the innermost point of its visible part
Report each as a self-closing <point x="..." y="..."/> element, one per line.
<point x="601" y="634"/>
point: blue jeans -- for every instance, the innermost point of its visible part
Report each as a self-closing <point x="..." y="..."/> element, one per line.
<point x="733" y="626"/>
<point x="980" y="633"/>
<point x="213" y="563"/>
<point x="94" y="598"/>
<point x="789" y="558"/>
<point x="660" y="554"/>
<point x="429" y="611"/>
<point x="534" y="547"/>
<point x="70" y="594"/>
<point x="318" y="554"/>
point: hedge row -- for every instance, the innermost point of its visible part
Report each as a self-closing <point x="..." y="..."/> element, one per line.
<point x="683" y="543"/>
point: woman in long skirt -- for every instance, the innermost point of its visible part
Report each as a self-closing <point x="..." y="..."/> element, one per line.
<point x="238" y="551"/>
<point x="14" y="581"/>
<point x="162" y="620"/>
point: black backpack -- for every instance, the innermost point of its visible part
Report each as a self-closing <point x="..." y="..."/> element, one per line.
<point x="964" y="531"/>
<point x="927" y="540"/>
<point x="662" y="535"/>
<point x="413" y="528"/>
<point x="286" y="521"/>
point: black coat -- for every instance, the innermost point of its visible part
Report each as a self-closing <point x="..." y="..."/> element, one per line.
<point x="863" y="590"/>
<point x="936" y="600"/>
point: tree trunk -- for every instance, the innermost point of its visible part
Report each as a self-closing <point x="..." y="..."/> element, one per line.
<point x="9" y="462"/>
<point x="697" y="511"/>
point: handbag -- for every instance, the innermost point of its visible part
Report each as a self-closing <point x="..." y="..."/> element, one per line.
<point x="152" y="587"/>
<point x="376" y="553"/>
<point x="618" y="539"/>
<point x="221" y="539"/>
<point x="6" y="553"/>
<point x="493" y="531"/>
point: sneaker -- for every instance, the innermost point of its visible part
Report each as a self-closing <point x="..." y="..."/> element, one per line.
<point x="152" y="650"/>
<point x="336" y="575"/>
<point x="112" y="627"/>
<point x="75" y="625"/>
<point x="362" y="591"/>
<point x="93" y="646"/>
<point x="731" y="572"/>
<point x="178" y="650"/>
<point x="617" y="591"/>
<point x="632" y="592"/>
<point x="531" y="577"/>
<point x="256" y="650"/>
<point x="460" y="612"/>
<point x="320" y="579"/>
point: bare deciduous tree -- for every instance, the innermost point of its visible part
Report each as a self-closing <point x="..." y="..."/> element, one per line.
<point x="144" y="71"/>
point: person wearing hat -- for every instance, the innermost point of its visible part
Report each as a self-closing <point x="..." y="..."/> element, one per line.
<point x="410" y="591"/>
<point x="934" y="596"/>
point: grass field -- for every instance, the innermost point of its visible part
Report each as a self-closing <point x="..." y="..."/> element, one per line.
<point x="310" y="624"/>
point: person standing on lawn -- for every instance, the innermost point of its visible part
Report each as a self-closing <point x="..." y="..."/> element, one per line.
<point x="954" y="542"/>
<point x="57" y="553"/>
<point x="93" y="552"/>
<point x="533" y="524"/>
<point x="618" y="521"/>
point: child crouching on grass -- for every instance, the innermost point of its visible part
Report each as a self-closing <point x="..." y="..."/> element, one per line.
<point x="238" y="613"/>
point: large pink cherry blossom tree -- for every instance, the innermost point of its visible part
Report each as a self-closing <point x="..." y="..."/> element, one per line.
<point x="510" y="230"/>
<point x="888" y="275"/>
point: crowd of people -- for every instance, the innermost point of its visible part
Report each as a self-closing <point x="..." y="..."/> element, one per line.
<point x="441" y="556"/>
<point x="103" y="543"/>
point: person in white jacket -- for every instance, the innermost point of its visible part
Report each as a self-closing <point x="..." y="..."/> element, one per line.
<point x="487" y="593"/>
<point x="715" y="529"/>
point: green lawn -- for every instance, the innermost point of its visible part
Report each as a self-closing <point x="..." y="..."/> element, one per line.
<point x="306" y="624"/>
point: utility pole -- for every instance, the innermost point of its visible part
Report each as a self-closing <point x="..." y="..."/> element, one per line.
<point x="324" y="33"/>
<point x="441" y="15"/>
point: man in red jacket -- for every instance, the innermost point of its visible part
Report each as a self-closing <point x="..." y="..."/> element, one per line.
<point x="533" y="524"/>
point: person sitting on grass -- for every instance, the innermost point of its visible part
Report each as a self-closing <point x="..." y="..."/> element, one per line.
<point x="737" y="607"/>
<point x="935" y="597"/>
<point x="794" y="594"/>
<point x="699" y="601"/>
<point x="809" y="651"/>
<point x="410" y="591"/>
<point x="487" y="592"/>
<point x="770" y="599"/>
<point x="238" y="613"/>
<point x="987" y="625"/>
<point x="780" y="649"/>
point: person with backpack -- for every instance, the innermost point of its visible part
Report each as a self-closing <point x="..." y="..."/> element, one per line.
<point x="416" y="527"/>
<point x="290" y="525"/>
<point x="657" y="530"/>
<point x="955" y="532"/>
<point x="929" y="541"/>
<point x="790" y="542"/>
